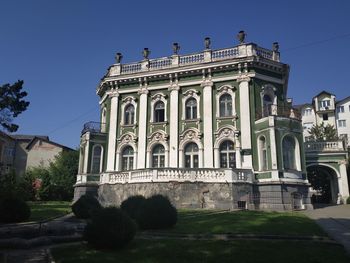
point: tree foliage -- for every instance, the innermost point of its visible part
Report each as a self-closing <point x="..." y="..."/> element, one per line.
<point x="58" y="179"/>
<point x="321" y="132"/>
<point x="12" y="103"/>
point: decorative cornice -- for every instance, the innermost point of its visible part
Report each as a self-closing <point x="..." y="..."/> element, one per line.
<point x="113" y="93"/>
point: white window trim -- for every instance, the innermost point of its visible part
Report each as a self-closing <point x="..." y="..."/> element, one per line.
<point x="154" y="99"/>
<point x="226" y="89"/>
<point x="190" y="135"/>
<point x="269" y="90"/>
<point x="296" y="151"/>
<point x="126" y="101"/>
<point x="125" y="140"/>
<point x="157" y="137"/>
<point x="190" y="94"/>
<point x="260" y="154"/>
<point x="92" y="157"/>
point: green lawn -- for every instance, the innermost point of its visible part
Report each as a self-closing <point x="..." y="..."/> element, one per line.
<point x="245" y="222"/>
<point x="45" y="210"/>
<point x="152" y="251"/>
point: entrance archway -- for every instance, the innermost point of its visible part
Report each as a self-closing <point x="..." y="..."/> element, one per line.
<point x="324" y="184"/>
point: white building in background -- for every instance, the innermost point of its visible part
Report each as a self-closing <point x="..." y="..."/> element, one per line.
<point x="325" y="109"/>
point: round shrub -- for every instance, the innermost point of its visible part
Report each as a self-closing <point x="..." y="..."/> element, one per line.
<point x="110" y="227"/>
<point x="132" y="205"/>
<point x="85" y="206"/>
<point x="348" y="200"/>
<point x="13" y="210"/>
<point x="156" y="212"/>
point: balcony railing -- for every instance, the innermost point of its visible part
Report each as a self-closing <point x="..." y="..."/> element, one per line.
<point x="94" y="127"/>
<point x="280" y="111"/>
<point x="179" y="175"/>
<point x="326" y="146"/>
<point x="240" y="51"/>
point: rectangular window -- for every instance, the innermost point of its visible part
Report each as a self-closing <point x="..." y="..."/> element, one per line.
<point x="325" y="117"/>
<point x="307" y="112"/>
<point x="187" y="161"/>
<point x="340" y="109"/>
<point x="325" y="103"/>
<point x="342" y="123"/>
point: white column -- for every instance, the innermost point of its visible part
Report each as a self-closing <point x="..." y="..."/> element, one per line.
<point x="208" y="124"/>
<point x="216" y="158"/>
<point x="174" y="127"/>
<point x="238" y="151"/>
<point x="245" y="120"/>
<point x="141" y="151"/>
<point x="343" y="181"/>
<point x="86" y="156"/>
<point x="112" y="134"/>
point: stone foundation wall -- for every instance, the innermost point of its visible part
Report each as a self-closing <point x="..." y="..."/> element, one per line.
<point x="85" y="188"/>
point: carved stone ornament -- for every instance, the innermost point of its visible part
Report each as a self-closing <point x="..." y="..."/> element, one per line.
<point x="241" y="36"/>
<point x="158" y="136"/>
<point x="226" y="88"/>
<point x="176" y="48"/>
<point x="191" y="92"/>
<point x="127" y="138"/>
<point x="225" y="132"/>
<point x="129" y="99"/>
<point x="207" y="43"/>
<point x="191" y="134"/>
<point x="145" y="53"/>
<point x="118" y="57"/>
<point x="158" y="96"/>
<point x="275" y="47"/>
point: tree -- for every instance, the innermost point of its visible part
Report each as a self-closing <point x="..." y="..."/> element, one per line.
<point x="58" y="179"/>
<point x="11" y="104"/>
<point x="320" y="132"/>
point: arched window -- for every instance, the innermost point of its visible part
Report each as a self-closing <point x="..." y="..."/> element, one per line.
<point x="225" y="105"/>
<point x="127" y="158"/>
<point x="158" y="156"/>
<point x="263" y="153"/>
<point x="191" y="155"/>
<point x="129" y="114"/>
<point x="159" y="112"/>
<point x="96" y="159"/>
<point x="288" y="148"/>
<point x="267" y="108"/>
<point x="227" y="155"/>
<point x="191" y="109"/>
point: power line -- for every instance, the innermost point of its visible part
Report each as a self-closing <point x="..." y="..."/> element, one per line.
<point x="64" y="125"/>
<point x="317" y="42"/>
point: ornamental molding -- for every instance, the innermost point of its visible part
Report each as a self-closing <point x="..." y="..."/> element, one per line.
<point x="127" y="139"/>
<point x="207" y="83"/>
<point x="113" y="93"/>
<point x="191" y="92"/>
<point x="129" y="99"/>
<point x="228" y="132"/>
<point x="226" y="88"/>
<point x="191" y="134"/>
<point x="158" y="136"/>
<point x="158" y="96"/>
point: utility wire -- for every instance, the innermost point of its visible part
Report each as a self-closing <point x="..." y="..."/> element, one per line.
<point x="316" y="42"/>
<point x="66" y="124"/>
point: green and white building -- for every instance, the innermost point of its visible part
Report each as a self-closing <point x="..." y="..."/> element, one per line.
<point x="212" y="129"/>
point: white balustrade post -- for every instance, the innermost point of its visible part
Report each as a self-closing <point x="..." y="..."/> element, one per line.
<point x="112" y="134"/>
<point x="174" y="122"/>
<point x="245" y="120"/>
<point x="208" y="124"/>
<point x="141" y="152"/>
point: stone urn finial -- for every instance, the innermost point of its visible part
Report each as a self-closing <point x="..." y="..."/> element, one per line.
<point x="207" y="43"/>
<point x="118" y="57"/>
<point x="176" y="48"/>
<point x="241" y="36"/>
<point x="145" y="53"/>
<point x="275" y="47"/>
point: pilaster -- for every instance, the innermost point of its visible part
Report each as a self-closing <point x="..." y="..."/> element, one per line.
<point x="246" y="140"/>
<point x="208" y="123"/>
<point x="142" y="136"/>
<point x="112" y="134"/>
<point x="174" y="129"/>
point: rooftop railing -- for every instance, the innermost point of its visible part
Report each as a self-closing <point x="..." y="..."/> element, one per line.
<point x="243" y="50"/>
<point x="94" y="127"/>
<point x="324" y="146"/>
<point x="280" y="111"/>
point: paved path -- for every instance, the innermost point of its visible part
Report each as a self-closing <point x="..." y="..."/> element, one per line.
<point x="335" y="220"/>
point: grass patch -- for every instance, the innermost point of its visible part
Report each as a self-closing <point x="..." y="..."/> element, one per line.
<point x="45" y="210"/>
<point x="246" y="222"/>
<point x="153" y="251"/>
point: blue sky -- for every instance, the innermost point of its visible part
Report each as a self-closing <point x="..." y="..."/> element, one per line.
<point x="61" y="49"/>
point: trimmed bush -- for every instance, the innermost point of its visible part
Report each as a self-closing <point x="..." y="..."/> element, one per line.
<point x="348" y="200"/>
<point x="110" y="227"/>
<point x="85" y="206"/>
<point x="13" y="210"/>
<point x="132" y="205"/>
<point x="156" y="212"/>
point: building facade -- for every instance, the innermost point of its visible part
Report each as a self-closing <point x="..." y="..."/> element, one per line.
<point x="212" y="129"/>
